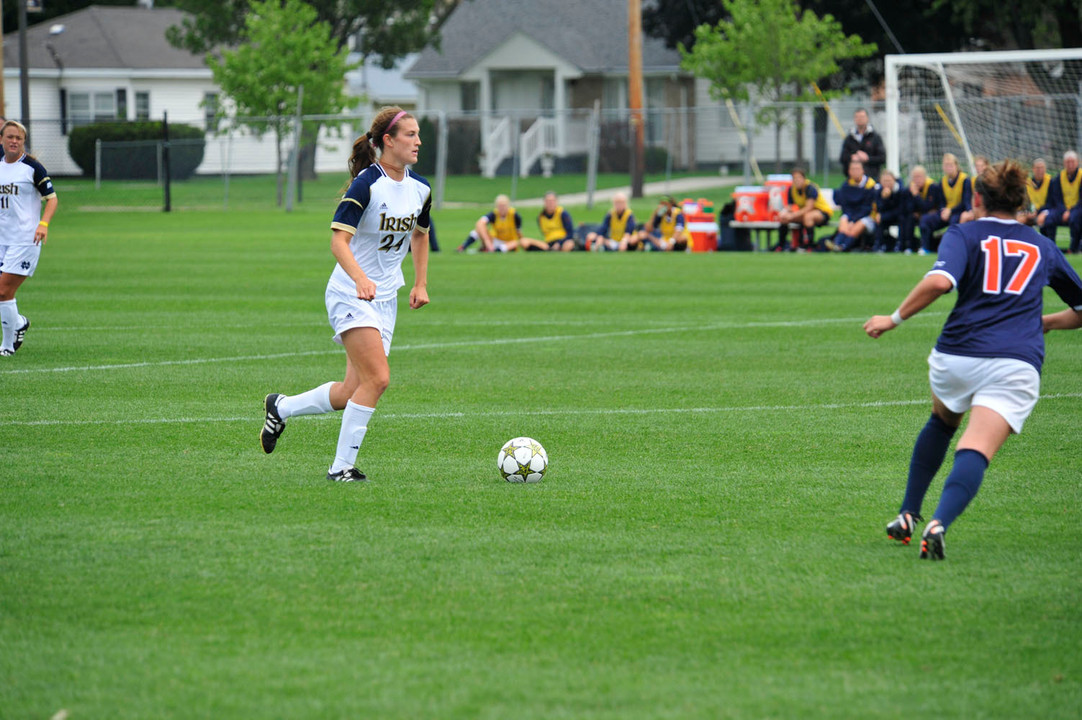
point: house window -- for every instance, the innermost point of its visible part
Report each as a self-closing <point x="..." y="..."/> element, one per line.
<point x="122" y="103"/>
<point x="142" y="106"/>
<point x="471" y="96"/>
<point x="614" y="94"/>
<point x="85" y="108"/>
<point x="210" y="110"/>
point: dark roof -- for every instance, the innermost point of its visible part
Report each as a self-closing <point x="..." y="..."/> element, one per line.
<point x="590" y="34"/>
<point x="102" y="36"/>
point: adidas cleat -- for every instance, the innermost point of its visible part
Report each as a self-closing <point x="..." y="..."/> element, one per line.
<point x="901" y="528"/>
<point x="273" y="425"/>
<point x="931" y="542"/>
<point x="350" y="474"/>
<point x="20" y="334"/>
<point x="6" y="353"/>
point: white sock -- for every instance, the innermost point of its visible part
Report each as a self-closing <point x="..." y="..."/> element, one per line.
<point x="314" y="402"/>
<point x="354" y="425"/>
<point x="475" y="236"/>
<point x="10" y="320"/>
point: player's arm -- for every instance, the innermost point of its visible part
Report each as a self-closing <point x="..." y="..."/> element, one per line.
<point x="924" y="294"/>
<point x="1063" y="320"/>
<point x="41" y="233"/>
<point x="569" y="227"/>
<point x="419" y="251"/>
<point x="340" y="239"/>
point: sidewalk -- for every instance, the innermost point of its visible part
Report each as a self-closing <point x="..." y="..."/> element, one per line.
<point x="676" y="187"/>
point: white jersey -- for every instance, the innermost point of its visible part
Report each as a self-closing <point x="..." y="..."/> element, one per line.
<point x="23" y="185"/>
<point x="382" y="214"/>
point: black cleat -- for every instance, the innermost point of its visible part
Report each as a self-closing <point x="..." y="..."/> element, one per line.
<point x="350" y="474"/>
<point x="20" y="334"/>
<point x="901" y="528"/>
<point x="273" y="425"/>
<point x="931" y="542"/>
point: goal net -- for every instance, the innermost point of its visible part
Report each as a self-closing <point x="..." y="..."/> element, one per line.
<point x="1019" y="104"/>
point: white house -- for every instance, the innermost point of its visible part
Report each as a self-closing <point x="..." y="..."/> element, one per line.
<point x="114" y="63"/>
<point x="544" y="64"/>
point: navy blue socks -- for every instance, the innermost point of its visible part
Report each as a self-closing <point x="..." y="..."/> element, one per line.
<point x="928" y="453"/>
<point x="961" y="485"/>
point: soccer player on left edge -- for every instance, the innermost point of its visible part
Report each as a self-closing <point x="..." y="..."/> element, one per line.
<point x="988" y="358"/>
<point x="24" y="227"/>
<point x="383" y="216"/>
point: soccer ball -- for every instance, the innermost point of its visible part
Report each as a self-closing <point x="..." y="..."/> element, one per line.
<point x="522" y="460"/>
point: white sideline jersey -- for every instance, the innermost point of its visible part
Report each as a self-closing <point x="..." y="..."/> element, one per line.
<point x="23" y="185"/>
<point x="382" y="214"/>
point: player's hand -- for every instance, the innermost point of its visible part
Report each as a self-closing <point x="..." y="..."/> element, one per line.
<point x="418" y="297"/>
<point x="1066" y="216"/>
<point x="945" y="214"/>
<point x="41" y="234"/>
<point x="861" y="155"/>
<point x="877" y="325"/>
<point x="366" y="289"/>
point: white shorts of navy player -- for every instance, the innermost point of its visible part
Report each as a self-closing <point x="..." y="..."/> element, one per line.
<point x="385" y="205"/>
<point x="988" y="357"/>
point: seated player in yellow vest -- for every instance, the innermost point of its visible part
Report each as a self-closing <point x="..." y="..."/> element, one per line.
<point x="1063" y="203"/>
<point x="890" y="210"/>
<point x="806" y="208"/>
<point x="557" y="231"/>
<point x="663" y="231"/>
<point x="498" y="231"/>
<point x="616" y="229"/>
<point x="953" y="204"/>
<point x="917" y="199"/>
<point x="856" y="199"/>
<point x="1036" y="208"/>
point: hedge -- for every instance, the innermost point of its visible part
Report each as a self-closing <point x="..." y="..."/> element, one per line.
<point x="139" y="160"/>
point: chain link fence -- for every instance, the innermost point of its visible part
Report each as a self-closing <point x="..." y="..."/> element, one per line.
<point x="286" y="152"/>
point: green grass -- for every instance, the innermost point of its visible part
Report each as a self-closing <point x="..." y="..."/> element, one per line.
<point x="726" y="447"/>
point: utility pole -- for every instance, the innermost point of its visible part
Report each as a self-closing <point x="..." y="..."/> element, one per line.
<point x="24" y="73"/>
<point x="634" y="94"/>
<point x="2" y="59"/>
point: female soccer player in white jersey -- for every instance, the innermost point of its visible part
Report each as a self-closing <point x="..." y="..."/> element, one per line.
<point x="383" y="215"/>
<point x="988" y="357"/>
<point x="24" y="183"/>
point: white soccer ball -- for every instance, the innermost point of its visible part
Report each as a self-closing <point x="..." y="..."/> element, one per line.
<point x="522" y="459"/>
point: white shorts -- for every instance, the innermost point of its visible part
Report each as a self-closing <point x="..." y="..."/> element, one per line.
<point x="19" y="259"/>
<point x="499" y="245"/>
<point x="867" y="221"/>
<point x="1007" y="386"/>
<point x="347" y="311"/>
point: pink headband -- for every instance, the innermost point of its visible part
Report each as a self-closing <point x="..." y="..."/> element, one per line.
<point x="396" y="119"/>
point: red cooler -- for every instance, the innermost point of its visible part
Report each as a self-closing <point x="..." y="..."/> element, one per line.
<point x="752" y="204"/>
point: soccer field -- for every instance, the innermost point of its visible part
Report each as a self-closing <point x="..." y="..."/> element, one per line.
<point x="726" y="448"/>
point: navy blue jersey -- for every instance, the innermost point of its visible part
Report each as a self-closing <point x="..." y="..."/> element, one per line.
<point x="1000" y="269"/>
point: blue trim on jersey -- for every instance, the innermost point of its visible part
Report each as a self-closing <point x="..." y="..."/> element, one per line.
<point x="1000" y="324"/>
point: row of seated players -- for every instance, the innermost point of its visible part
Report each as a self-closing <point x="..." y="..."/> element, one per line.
<point x="868" y="209"/>
<point x="501" y="229"/>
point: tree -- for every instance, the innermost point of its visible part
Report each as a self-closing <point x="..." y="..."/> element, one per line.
<point x="771" y="50"/>
<point x="284" y="48"/>
<point x="384" y="30"/>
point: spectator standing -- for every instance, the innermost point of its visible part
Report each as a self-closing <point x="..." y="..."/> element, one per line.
<point x="863" y="143"/>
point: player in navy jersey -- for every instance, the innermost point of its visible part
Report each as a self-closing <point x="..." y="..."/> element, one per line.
<point x="988" y="358"/>
<point x="24" y="228"/>
<point x="383" y="216"/>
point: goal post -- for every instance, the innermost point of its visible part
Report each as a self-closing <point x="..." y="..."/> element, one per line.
<point x="1019" y="104"/>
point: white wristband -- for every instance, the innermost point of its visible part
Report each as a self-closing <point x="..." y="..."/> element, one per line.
<point x="896" y="317"/>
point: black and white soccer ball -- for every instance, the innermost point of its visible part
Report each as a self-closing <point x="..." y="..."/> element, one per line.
<point x="522" y="459"/>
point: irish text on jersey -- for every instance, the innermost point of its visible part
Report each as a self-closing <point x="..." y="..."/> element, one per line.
<point x="396" y="224"/>
<point x="9" y="189"/>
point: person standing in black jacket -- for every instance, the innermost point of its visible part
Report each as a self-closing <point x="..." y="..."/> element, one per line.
<point x="864" y="144"/>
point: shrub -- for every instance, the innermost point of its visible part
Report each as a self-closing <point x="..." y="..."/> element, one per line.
<point x="139" y="160"/>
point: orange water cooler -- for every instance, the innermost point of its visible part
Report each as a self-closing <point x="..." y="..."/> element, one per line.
<point x="752" y="203"/>
<point x="702" y="226"/>
<point x="777" y="188"/>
